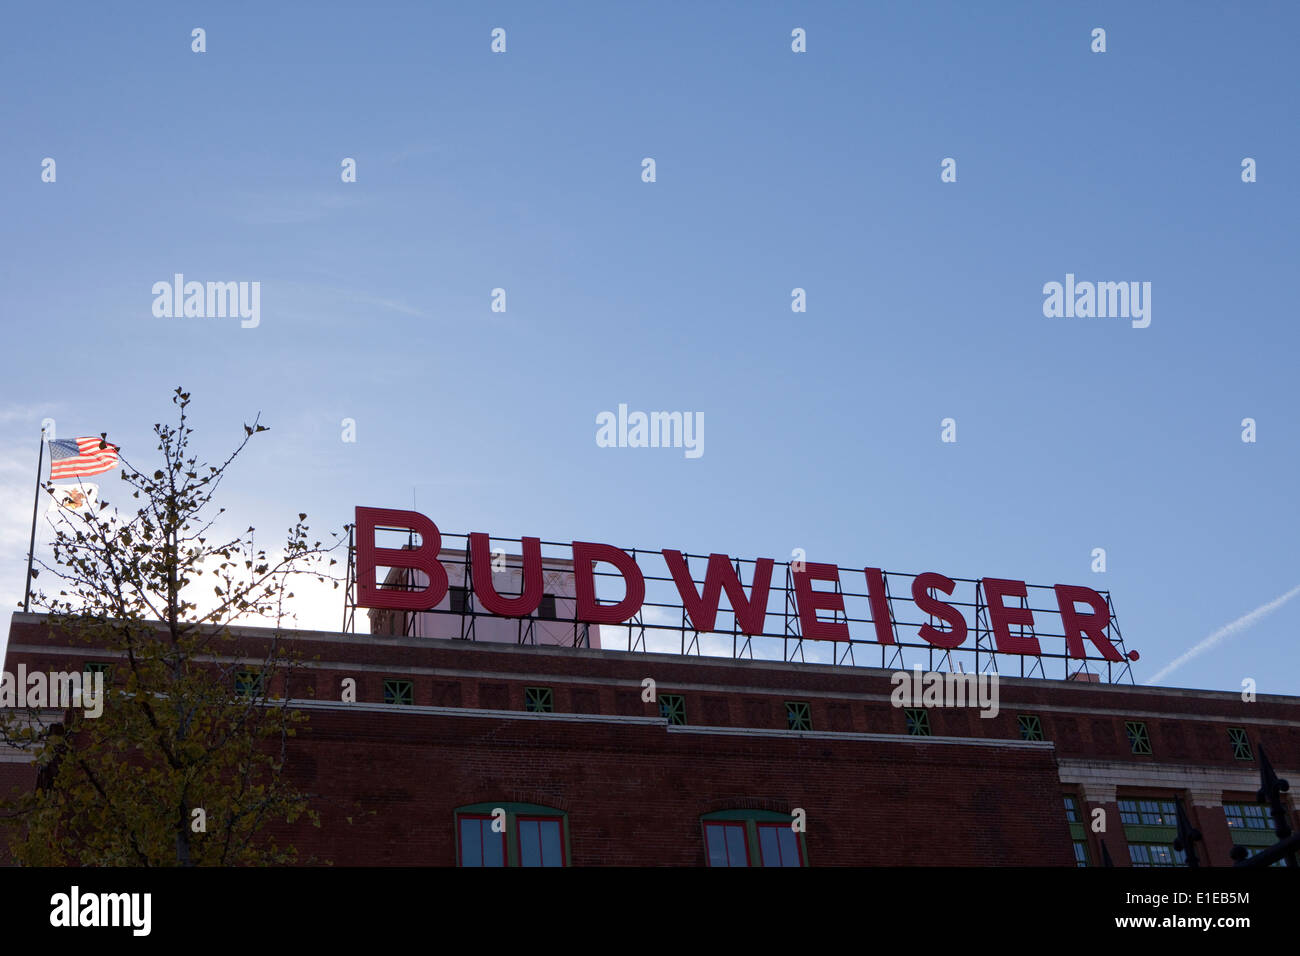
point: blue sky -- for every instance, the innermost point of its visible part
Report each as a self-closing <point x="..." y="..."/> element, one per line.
<point x="775" y="170"/>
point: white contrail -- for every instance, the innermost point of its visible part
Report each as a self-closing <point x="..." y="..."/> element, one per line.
<point x="1240" y="624"/>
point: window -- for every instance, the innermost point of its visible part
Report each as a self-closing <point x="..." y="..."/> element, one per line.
<point x="1155" y="854"/>
<point x="541" y="841"/>
<point x="1240" y="743"/>
<point x="778" y="845"/>
<point x="752" y="838"/>
<point x="1251" y="825"/>
<point x="1071" y="810"/>
<point x="248" y="683"/>
<point x="546" y="610"/>
<point x="1031" y="728"/>
<point x="1255" y="850"/>
<point x="525" y="834"/>
<point x="918" y="721"/>
<point x="478" y="844"/>
<point x="1152" y="813"/>
<point x="459" y="601"/>
<point x="399" y="692"/>
<point x="798" y="715"/>
<point x="1248" y="816"/>
<point x="99" y="667"/>
<point x="539" y="700"/>
<point x="673" y="707"/>
<point x="1150" y="828"/>
<point x="1078" y="836"/>
<point x="1138" y="740"/>
<point x="727" y="844"/>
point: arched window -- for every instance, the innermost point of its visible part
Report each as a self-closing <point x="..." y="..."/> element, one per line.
<point x="752" y="838"/>
<point x="511" y="834"/>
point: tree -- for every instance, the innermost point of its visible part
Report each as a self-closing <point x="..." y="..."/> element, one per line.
<point x="186" y="764"/>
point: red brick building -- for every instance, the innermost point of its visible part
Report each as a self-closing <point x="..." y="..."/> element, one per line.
<point x="562" y="743"/>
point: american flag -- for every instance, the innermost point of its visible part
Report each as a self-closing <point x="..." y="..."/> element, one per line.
<point x="81" y="457"/>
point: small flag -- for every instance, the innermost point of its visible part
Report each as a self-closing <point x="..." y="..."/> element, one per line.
<point x="77" y="499"/>
<point x="80" y="458"/>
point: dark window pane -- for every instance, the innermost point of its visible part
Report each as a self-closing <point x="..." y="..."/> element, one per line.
<point x="471" y="843"/>
<point x="546" y="611"/>
<point x="716" y="838"/>
<point x="530" y="844"/>
<point x="769" y="844"/>
<point x="736" y="846"/>
<point x="552" y="847"/>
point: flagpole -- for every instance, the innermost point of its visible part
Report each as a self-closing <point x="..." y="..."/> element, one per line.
<point x="36" y="501"/>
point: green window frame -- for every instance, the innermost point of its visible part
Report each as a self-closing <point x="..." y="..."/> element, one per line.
<point x="1240" y="741"/>
<point x="522" y="835"/>
<point x="918" y="721"/>
<point x="765" y="842"/>
<point x="99" y="667"/>
<point x="1031" y="727"/>
<point x="798" y="715"/>
<point x="1138" y="739"/>
<point x="398" y="691"/>
<point x="672" y="707"/>
<point x="539" y="700"/>
<point x="250" y="683"/>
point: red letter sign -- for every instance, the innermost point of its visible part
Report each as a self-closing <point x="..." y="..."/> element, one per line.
<point x="1077" y="625"/>
<point x="750" y="612"/>
<point x="588" y="609"/>
<point x="884" y="624"/>
<point x="956" y="633"/>
<point x="480" y="560"/>
<point x="1001" y="618"/>
<point x="424" y="558"/>
<point x="810" y="602"/>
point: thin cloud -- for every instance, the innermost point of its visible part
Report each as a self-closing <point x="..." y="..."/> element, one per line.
<point x="1225" y="632"/>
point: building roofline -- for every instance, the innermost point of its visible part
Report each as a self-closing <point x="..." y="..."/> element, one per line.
<point x="607" y="654"/>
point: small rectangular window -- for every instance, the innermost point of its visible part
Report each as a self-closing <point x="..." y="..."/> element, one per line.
<point x="779" y="845"/>
<point x="918" y="721"/>
<point x="1071" y="810"/>
<point x="1240" y="743"/>
<point x="673" y="707"/>
<point x="726" y="843"/>
<point x="1139" y="741"/>
<point x="479" y="845"/>
<point x="1080" y="853"/>
<point x="1155" y="854"/>
<point x="539" y="700"/>
<point x="399" y="692"/>
<point x="248" y="683"/>
<point x="541" y="841"/>
<point x="798" y="715"/>
<point x="1248" y="816"/>
<point x="546" y="610"/>
<point x="1031" y="728"/>
<point x="458" y="597"/>
<point x="100" y="667"/>
<point x="1149" y="813"/>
